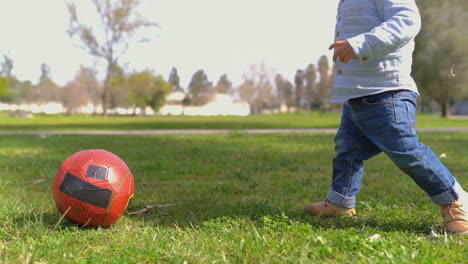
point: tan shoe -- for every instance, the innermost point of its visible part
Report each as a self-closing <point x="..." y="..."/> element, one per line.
<point x="325" y="208"/>
<point x="455" y="218"/>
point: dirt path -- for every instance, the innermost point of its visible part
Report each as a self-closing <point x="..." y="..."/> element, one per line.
<point x="202" y="131"/>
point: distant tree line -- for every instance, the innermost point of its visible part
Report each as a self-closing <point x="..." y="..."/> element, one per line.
<point x="264" y="92"/>
<point x="137" y="90"/>
<point x="311" y="88"/>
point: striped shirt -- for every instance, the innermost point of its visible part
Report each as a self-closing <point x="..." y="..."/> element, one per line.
<point x="381" y="33"/>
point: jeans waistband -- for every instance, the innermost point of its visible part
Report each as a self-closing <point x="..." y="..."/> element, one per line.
<point x="389" y="94"/>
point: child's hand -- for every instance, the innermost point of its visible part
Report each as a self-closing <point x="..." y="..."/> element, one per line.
<point x="344" y="51"/>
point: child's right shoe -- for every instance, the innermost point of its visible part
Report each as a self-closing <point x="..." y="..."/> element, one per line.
<point x="455" y="217"/>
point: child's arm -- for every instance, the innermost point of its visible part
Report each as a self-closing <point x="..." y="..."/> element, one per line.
<point x="402" y="23"/>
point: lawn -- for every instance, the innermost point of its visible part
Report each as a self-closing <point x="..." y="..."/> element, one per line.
<point x="232" y="198"/>
<point x="303" y="120"/>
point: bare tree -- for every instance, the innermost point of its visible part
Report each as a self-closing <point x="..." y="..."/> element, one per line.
<point x="73" y="96"/>
<point x="247" y="93"/>
<point x="109" y="40"/>
<point x="87" y="77"/>
<point x="260" y="77"/>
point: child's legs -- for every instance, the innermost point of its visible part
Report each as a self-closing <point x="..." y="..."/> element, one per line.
<point x="352" y="148"/>
<point x="390" y="124"/>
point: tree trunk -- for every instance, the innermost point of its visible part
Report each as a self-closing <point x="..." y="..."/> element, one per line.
<point x="445" y="101"/>
<point x="105" y="95"/>
<point x="445" y="110"/>
<point x="107" y="87"/>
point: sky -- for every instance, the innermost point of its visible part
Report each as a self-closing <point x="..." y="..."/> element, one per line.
<point x="218" y="36"/>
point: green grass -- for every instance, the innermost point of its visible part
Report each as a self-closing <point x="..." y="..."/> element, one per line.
<point x="237" y="198"/>
<point x="79" y="122"/>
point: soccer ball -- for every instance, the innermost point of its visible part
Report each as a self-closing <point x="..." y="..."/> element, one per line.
<point x="93" y="188"/>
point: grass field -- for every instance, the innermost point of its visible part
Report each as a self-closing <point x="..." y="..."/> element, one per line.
<point x="234" y="198"/>
<point x="78" y="122"/>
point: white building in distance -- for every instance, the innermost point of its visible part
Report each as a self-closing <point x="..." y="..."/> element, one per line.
<point x="222" y="104"/>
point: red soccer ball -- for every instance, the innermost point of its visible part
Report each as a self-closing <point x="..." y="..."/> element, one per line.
<point x="93" y="188"/>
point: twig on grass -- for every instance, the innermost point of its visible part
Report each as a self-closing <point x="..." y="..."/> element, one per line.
<point x="37" y="181"/>
<point x="60" y="219"/>
<point x="150" y="207"/>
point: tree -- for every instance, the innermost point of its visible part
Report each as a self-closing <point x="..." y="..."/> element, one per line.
<point x="280" y="86"/>
<point x="331" y="80"/>
<point x="299" y="87"/>
<point x="174" y="80"/>
<point x="23" y="92"/>
<point x="46" y="90"/>
<point x="288" y="94"/>
<point x="149" y="90"/>
<point x="6" y="67"/>
<point x="439" y="48"/>
<point x="223" y="85"/>
<point x="122" y="93"/>
<point x="141" y="83"/>
<point x="162" y="89"/>
<point x="310" y="79"/>
<point x="6" y="77"/>
<point x="284" y="90"/>
<point x="324" y="84"/>
<point x="45" y="73"/>
<point x="200" y="89"/>
<point x="3" y="87"/>
<point x="118" y="27"/>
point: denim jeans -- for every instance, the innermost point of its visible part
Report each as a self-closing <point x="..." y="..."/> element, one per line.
<point x="386" y="123"/>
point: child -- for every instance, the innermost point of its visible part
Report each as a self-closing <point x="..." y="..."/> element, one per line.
<point x="374" y="42"/>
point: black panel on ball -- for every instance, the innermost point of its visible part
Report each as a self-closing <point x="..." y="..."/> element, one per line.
<point x="85" y="191"/>
<point x="96" y="172"/>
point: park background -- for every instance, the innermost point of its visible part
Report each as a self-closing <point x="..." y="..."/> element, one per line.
<point x="233" y="194"/>
<point x="202" y="57"/>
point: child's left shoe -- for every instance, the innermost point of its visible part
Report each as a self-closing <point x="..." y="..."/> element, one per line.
<point x="327" y="209"/>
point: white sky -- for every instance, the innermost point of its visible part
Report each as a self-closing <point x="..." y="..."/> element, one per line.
<point x="219" y="36"/>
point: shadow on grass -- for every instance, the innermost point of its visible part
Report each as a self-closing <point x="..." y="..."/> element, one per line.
<point x="189" y="216"/>
<point x="253" y="211"/>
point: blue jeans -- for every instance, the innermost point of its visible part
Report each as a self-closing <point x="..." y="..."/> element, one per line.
<point x="386" y="123"/>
